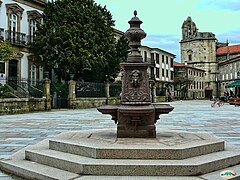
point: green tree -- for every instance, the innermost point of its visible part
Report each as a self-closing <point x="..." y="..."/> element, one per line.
<point x="6" y="51"/>
<point x="76" y="37"/>
<point x="110" y="70"/>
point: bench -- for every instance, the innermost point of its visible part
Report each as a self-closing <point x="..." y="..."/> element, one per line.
<point x="234" y="101"/>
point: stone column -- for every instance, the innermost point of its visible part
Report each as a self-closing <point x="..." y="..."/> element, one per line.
<point x="107" y="93"/>
<point x="154" y="93"/>
<point x="71" y="93"/>
<point x="46" y="93"/>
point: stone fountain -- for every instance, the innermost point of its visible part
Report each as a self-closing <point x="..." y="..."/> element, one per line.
<point x="135" y="116"/>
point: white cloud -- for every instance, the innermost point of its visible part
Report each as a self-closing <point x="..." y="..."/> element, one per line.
<point x="233" y="5"/>
<point x="233" y="37"/>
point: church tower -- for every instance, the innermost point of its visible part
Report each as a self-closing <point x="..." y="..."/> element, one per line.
<point x="198" y="50"/>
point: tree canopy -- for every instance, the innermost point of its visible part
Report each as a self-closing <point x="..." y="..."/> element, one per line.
<point x="77" y="37"/>
<point x="5" y="51"/>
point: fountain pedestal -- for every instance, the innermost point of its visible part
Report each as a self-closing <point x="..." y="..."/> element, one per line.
<point x="135" y="116"/>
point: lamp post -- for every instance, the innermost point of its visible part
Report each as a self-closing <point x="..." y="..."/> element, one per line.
<point x="216" y="81"/>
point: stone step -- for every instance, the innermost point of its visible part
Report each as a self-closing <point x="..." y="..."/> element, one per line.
<point x="167" y="145"/>
<point x="122" y="167"/>
<point x="137" y="178"/>
<point x="104" y="151"/>
<point x="32" y="170"/>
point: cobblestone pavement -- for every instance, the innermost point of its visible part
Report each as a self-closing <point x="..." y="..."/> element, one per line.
<point x="18" y="131"/>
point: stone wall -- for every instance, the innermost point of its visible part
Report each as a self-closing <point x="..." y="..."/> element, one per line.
<point x="158" y="99"/>
<point x="82" y="103"/>
<point x="23" y="105"/>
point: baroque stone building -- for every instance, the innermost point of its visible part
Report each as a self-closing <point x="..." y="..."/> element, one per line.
<point x="198" y="49"/>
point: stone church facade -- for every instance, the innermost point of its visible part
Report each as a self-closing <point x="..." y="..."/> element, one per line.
<point x="198" y="50"/>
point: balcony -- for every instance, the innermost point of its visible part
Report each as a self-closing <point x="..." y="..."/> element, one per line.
<point x="17" y="37"/>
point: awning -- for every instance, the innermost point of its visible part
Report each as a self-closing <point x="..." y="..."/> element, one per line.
<point x="234" y="84"/>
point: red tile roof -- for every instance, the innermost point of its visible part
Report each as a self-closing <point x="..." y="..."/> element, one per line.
<point x="178" y="64"/>
<point x="229" y="49"/>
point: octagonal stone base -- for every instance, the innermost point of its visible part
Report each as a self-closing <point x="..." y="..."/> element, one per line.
<point x="100" y="154"/>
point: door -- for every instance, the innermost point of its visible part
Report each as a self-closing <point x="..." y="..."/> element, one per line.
<point x="12" y="73"/>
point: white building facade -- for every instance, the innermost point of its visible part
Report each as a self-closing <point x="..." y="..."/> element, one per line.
<point x="161" y="69"/>
<point x="18" y="23"/>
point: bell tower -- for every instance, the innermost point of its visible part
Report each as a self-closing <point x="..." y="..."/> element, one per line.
<point x="198" y="50"/>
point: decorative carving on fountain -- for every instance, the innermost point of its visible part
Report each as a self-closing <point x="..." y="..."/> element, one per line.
<point x="135" y="89"/>
<point x="135" y="78"/>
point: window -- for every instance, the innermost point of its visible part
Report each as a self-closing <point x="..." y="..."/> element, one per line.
<point x="157" y="58"/>
<point x="2" y="67"/>
<point x="33" y="27"/>
<point x="145" y="56"/>
<point x="162" y="58"/>
<point x="34" y="18"/>
<point x="171" y="75"/>
<point x="13" y="23"/>
<point x="14" y="14"/>
<point x="40" y="73"/>
<point x="163" y="74"/>
<point x="166" y="60"/>
<point x="189" y="57"/>
<point x="226" y="72"/>
<point x="194" y="85"/>
<point x="33" y="75"/>
<point x="235" y="70"/>
<point x="152" y="56"/>
<point x="157" y="73"/>
<point x="166" y="73"/>
<point x="171" y="62"/>
<point x="231" y="74"/>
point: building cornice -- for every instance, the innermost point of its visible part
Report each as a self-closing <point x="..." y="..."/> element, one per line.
<point x="38" y="4"/>
<point x="15" y="9"/>
<point x="228" y="61"/>
<point x="197" y="39"/>
<point x="34" y="14"/>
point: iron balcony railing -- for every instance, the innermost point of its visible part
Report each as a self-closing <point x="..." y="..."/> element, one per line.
<point x="17" y="37"/>
<point x="29" y="39"/>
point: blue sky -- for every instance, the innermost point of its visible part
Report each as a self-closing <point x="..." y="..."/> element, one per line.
<point x="162" y="19"/>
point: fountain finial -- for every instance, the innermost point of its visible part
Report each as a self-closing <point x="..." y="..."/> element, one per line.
<point x="135" y="34"/>
<point x="135" y="13"/>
